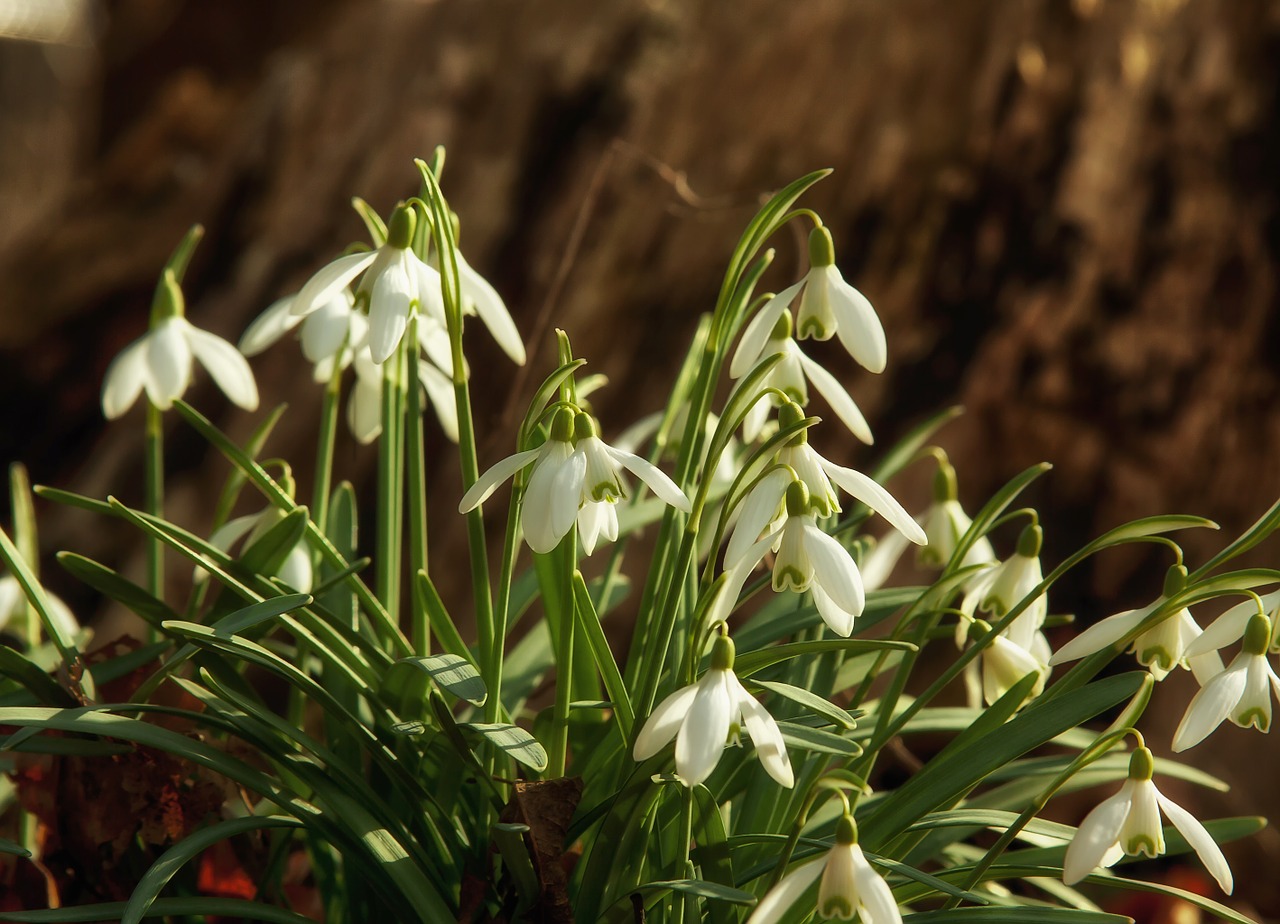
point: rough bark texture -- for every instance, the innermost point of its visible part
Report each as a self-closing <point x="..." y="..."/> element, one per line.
<point x="1065" y="213"/>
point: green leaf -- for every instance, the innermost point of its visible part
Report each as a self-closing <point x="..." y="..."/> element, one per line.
<point x="45" y="689"/>
<point x="13" y="847"/>
<point x="30" y="584"/>
<point x="268" y="553"/>
<point x="752" y="661"/>
<point x="438" y="616"/>
<point x="200" y="905"/>
<point x="512" y="740"/>
<point x="811" y="701"/>
<point x="589" y="622"/>
<point x="701" y="888"/>
<point x="453" y="673"/>
<point x="713" y="856"/>
<point x="173" y="859"/>
<point x="1017" y="915"/>
<point x="817" y="740"/>
<point x="118" y="588"/>
<point x="991" y="818"/>
<point x="373" y="222"/>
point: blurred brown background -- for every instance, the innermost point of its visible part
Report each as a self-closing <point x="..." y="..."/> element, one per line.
<point x="1065" y="212"/>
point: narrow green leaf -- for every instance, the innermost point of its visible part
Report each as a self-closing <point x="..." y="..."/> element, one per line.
<point x="442" y="626"/>
<point x="1017" y="915"/>
<point x="811" y="701"/>
<point x="116" y="587"/>
<point x="13" y="847"/>
<point x="268" y="553"/>
<point x="373" y="222"/>
<point x="21" y="669"/>
<point x="22" y="572"/>
<point x="454" y="673"/>
<point x="512" y="740"/>
<point x="701" y="888"/>
<point x="752" y="661"/>
<point x="817" y="740"/>
<point x="231" y="908"/>
<point x="589" y="622"/>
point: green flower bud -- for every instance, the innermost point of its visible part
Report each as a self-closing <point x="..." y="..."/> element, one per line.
<point x="781" y="327"/>
<point x="722" y="653"/>
<point x="584" y="427"/>
<point x="846" y="830"/>
<point x="944" y="483"/>
<point x="822" y="252"/>
<point x="562" y="425"/>
<point x="797" y="499"/>
<point x="1141" y="764"/>
<point x="1030" y="541"/>
<point x="168" y="301"/>
<point x="1175" y="580"/>
<point x="1257" y="635"/>
<point x="401" y="227"/>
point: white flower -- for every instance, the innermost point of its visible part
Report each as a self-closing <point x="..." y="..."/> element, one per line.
<point x="829" y="305"/>
<point x="1129" y="823"/>
<point x="1004" y="663"/>
<point x="768" y="333"/>
<point x="364" y="405"/>
<point x="807" y="559"/>
<point x="160" y="361"/>
<point x="13" y="602"/>
<point x="574" y="473"/>
<point x="295" y="570"/>
<point x="482" y="299"/>
<point x="1009" y="582"/>
<point x="329" y="334"/>
<point x="849" y="888"/>
<point x="1231" y="625"/>
<point x="1160" y="648"/>
<point x="1241" y="693"/>
<point x="395" y="283"/>
<point x="702" y="716"/>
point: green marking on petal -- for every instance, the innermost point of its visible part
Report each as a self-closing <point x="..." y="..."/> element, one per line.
<point x="606" y="491"/>
<point x="1159" y="655"/>
<point x="789" y="578"/>
<point x="836" y="906"/>
<point x="1141" y="844"/>
<point x="1255" y="718"/>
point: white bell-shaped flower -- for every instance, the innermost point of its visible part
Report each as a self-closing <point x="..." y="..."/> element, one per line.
<point x="1129" y="823"/>
<point x="1160" y="648"/>
<point x="296" y="568"/>
<point x="364" y="405"/>
<point x="945" y="524"/>
<point x="482" y="300"/>
<point x="1008" y="583"/>
<point x="1241" y="693"/>
<point x="395" y="283"/>
<point x="848" y="886"/>
<point x="704" y="715"/>
<point x="160" y="361"/>
<point x="329" y="334"/>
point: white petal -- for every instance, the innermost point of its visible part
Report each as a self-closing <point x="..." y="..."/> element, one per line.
<point x="434" y="340"/>
<point x="839" y="620"/>
<point x="330" y="279"/>
<point x="325" y="330"/>
<point x="1224" y="630"/>
<point x="879" y="563"/>
<point x="268" y="327"/>
<point x="427" y="287"/>
<point x="61" y="615"/>
<point x="727" y="595"/>
<point x="857" y="323"/>
<point x="765" y="734"/>
<point x="1099" y="831"/>
<point x="226" y="364"/>
<point x="226" y="535"/>
<point x="1205" y="667"/>
<point x="868" y="491"/>
<point x="789" y="890"/>
<point x="364" y="412"/>
<point x="124" y="379"/>
<point x="1256" y="696"/>
<point x="1099" y="636"/>
<point x="835" y="570"/>
<point x="552" y="496"/>
<point x="495" y="475"/>
<point x="757" y="511"/>
<point x="591" y="521"/>
<point x="12" y="598"/>
<point x="754" y="420"/>
<point x="651" y="475"/>
<point x="838" y="894"/>
<point x="388" y="311"/>
<point x="439" y="390"/>
<point x="1211" y="705"/>
<point x="702" y="737"/>
<point x="492" y="311"/>
<point x="838" y="398"/>
<point x="168" y="362"/>
<point x="1201" y="841"/>
<point x="664" y="722"/>
<point x="874" y="892"/>
<point x="296" y="570"/>
<point x="757" y="332"/>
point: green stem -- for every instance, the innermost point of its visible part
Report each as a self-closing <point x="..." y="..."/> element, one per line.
<point x="155" y="501"/>
<point x="559" y="756"/>
<point x="390" y="483"/>
<point x="682" y="909"/>
<point x="421" y="632"/>
<point x="324" y="450"/>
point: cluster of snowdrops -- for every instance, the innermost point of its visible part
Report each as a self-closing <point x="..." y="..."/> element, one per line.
<point x="764" y="608"/>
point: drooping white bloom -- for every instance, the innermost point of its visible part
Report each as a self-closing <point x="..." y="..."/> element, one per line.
<point x="945" y="524"/>
<point x="296" y="568"/>
<point x="1160" y="648"/>
<point x="1004" y="663"/>
<point x="481" y="299"/>
<point x="1008" y="583"/>
<point x="395" y="283"/>
<point x="160" y="361"/>
<point x="1241" y="693"/>
<point x="570" y="482"/>
<point x="329" y="335"/>
<point x="702" y="717"/>
<point x="13" y="602"/>
<point x="849" y="886"/>
<point x="807" y="559"/>
<point x="1129" y="823"/>
<point x="1231" y="625"/>
<point x="768" y="333"/>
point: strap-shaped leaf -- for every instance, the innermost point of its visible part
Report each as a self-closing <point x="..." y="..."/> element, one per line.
<point x="811" y="701"/>
<point x="453" y="673"/>
<point x="512" y="740"/>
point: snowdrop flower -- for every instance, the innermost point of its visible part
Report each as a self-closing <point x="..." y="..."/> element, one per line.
<point x="1129" y="823"/>
<point x="481" y="299"/>
<point x="574" y="474"/>
<point x="807" y="559"/>
<point x="13" y="602"/>
<point x="768" y="333"/>
<point x="849" y="886"/>
<point x="1005" y="585"/>
<point x="1230" y="626"/>
<point x="703" y="716"/>
<point x="945" y="523"/>
<point x="364" y="405"/>
<point x="395" y="283"/>
<point x="329" y="334"/>
<point x="1160" y="648"/>
<point x="160" y="361"/>
<point x="1004" y="663"/>
<point x="296" y="568"/>
<point x="1241" y="693"/>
